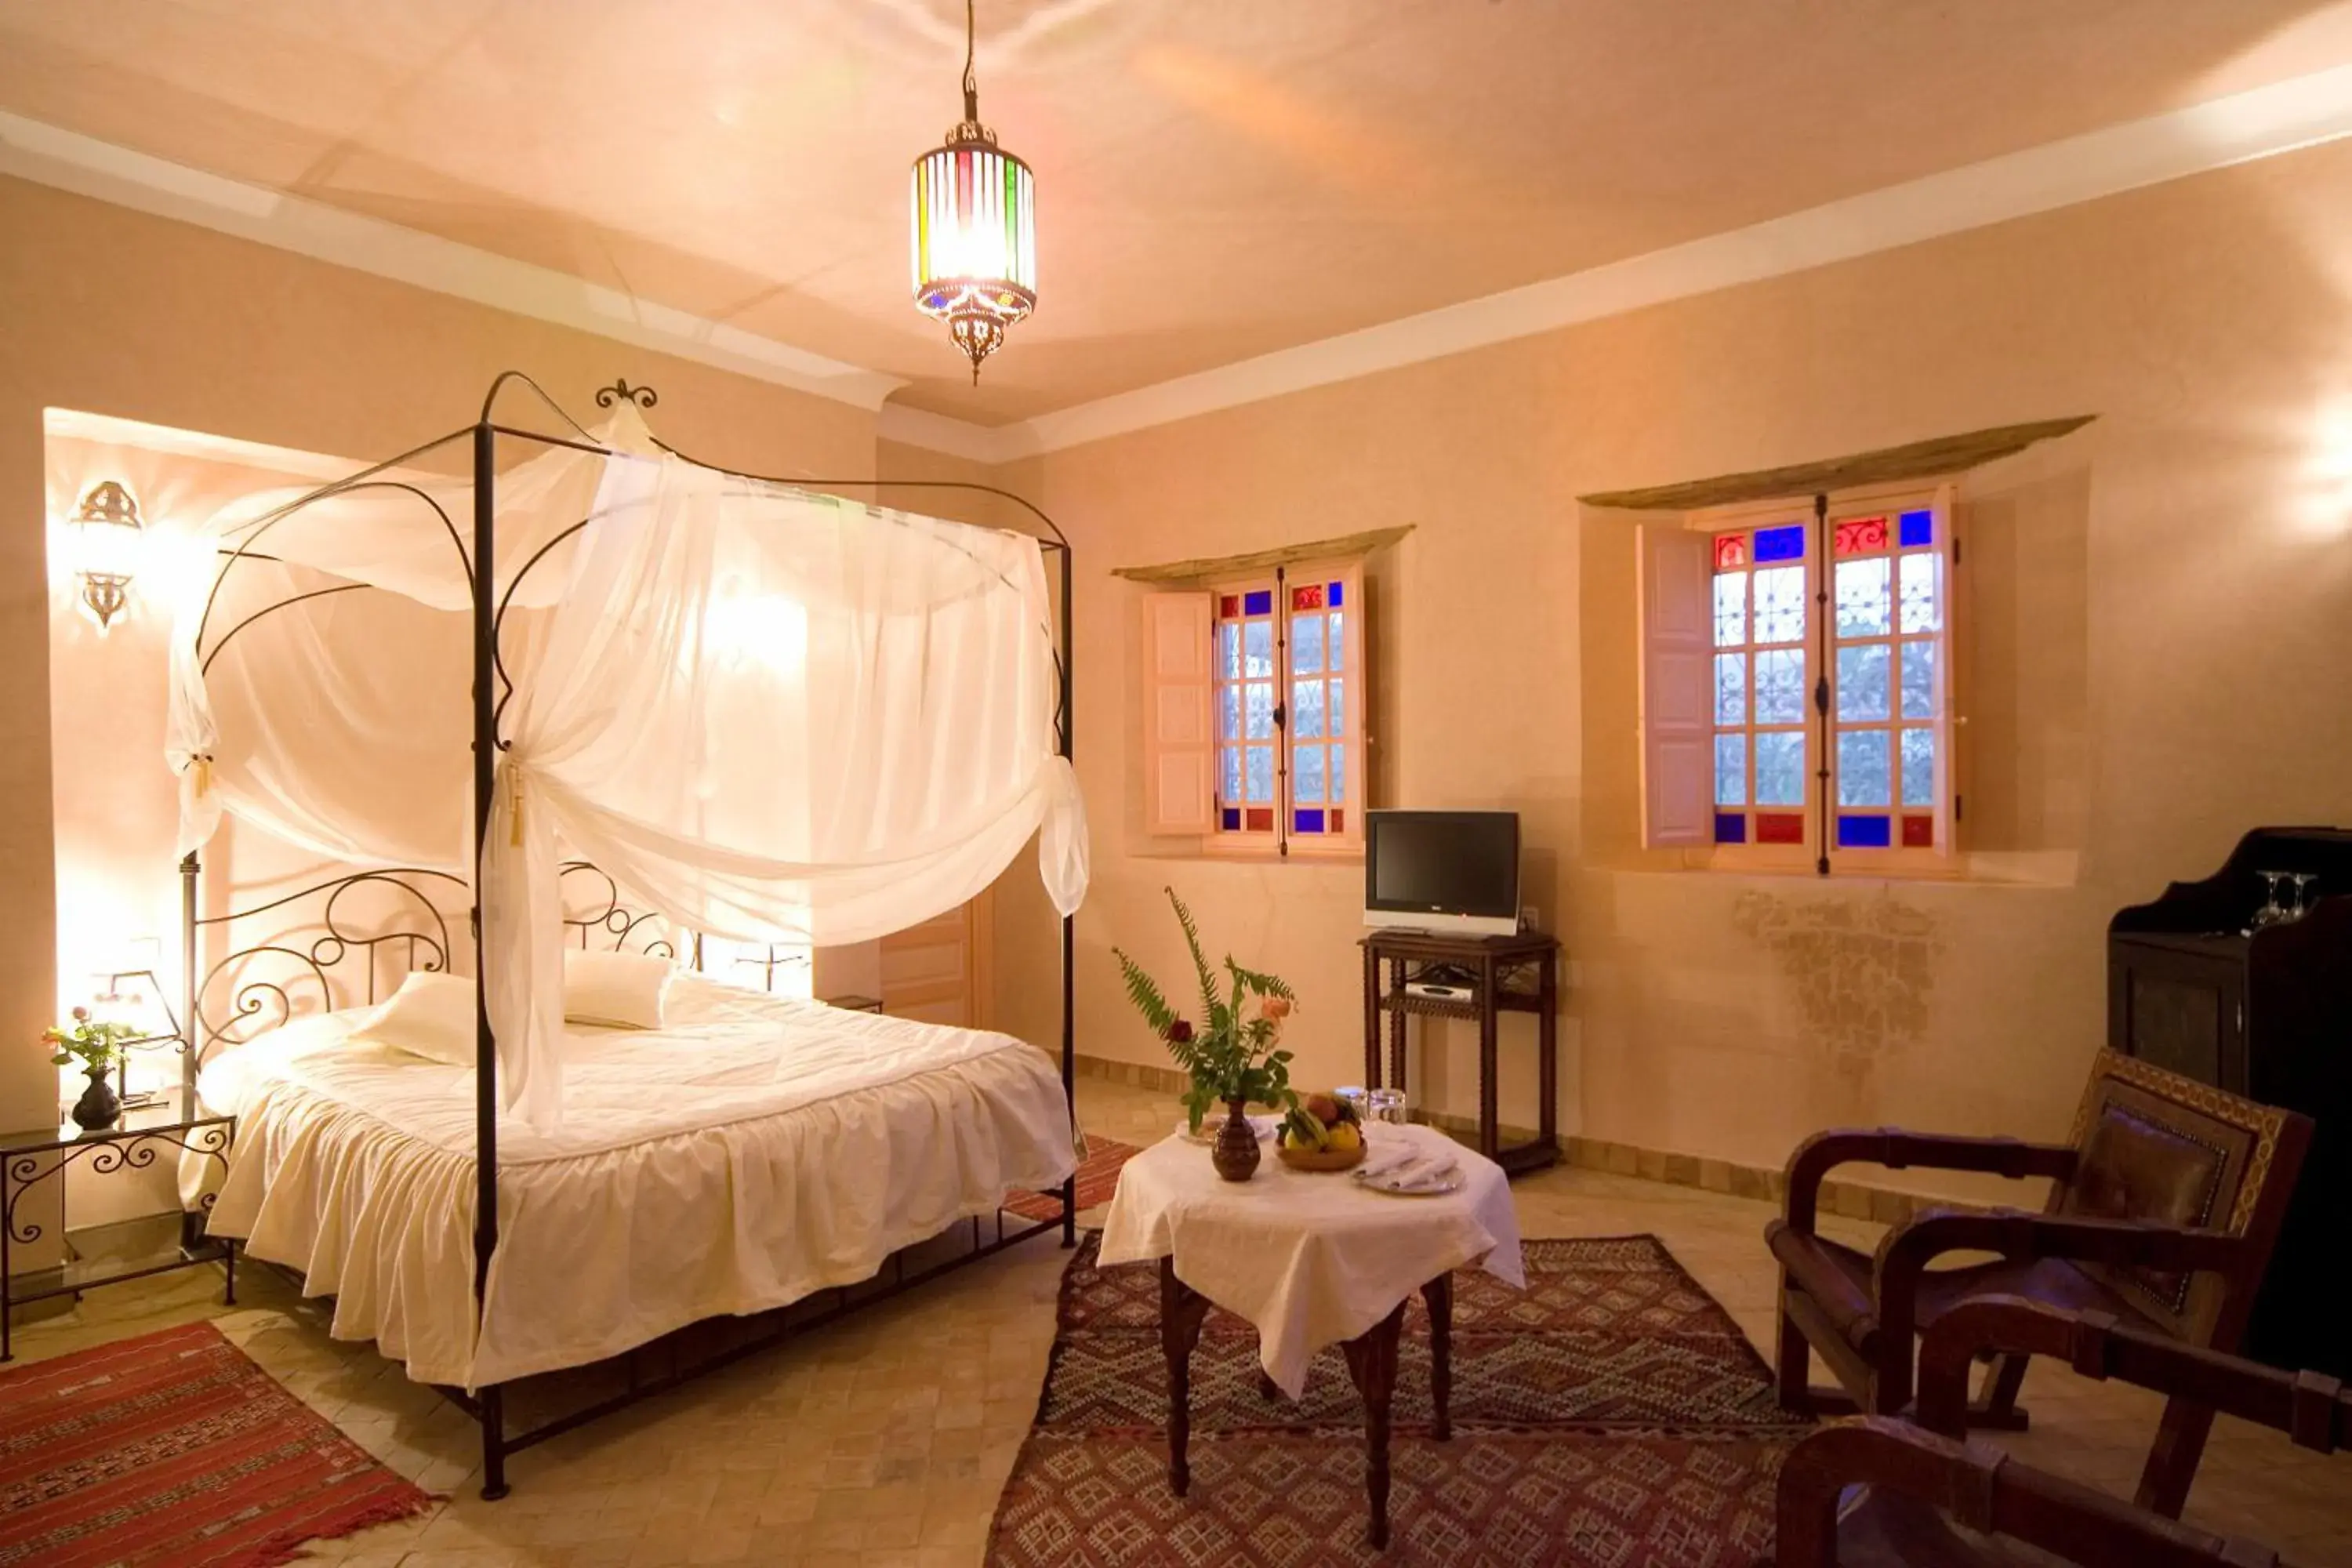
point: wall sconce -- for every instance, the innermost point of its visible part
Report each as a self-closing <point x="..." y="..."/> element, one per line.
<point x="106" y="530"/>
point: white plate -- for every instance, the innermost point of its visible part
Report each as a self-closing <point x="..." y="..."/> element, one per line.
<point x="1412" y="1184"/>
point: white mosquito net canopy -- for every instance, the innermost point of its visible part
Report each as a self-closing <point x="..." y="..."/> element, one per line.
<point x="770" y="714"/>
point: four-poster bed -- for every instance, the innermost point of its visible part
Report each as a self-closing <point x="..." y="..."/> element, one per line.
<point x="869" y="597"/>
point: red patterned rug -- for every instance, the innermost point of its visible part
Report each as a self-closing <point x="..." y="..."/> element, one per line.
<point x="1097" y="1180"/>
<point x="1610" y="1414"/>
<point x="173" y="1448"/>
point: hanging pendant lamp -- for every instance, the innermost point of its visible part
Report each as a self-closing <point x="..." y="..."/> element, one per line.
<point x="975" y="230"/>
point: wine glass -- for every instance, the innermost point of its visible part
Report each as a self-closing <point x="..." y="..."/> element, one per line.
<point x="2303" y="881"/>
<point x="2271" y="913"/>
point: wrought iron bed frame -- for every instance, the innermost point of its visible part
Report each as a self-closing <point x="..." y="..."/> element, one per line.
<point x="252" y="999"/>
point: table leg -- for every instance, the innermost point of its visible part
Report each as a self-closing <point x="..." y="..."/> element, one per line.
<point x="1182" y="1310"/>
<point x="1372" y="1362"/>
<point x="1372" y="1019"/>
<point x="1439" y="1294"/>
<point x="1490" y="1136"/>
<point x="1396" y="1027"/>
<point x="1266" y="1388"/>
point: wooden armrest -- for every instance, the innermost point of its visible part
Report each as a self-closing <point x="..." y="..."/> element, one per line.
<point x="2314" y="1409"/>
<point x="1893" y="1147"/>
<point x="1976" y="1485"/>
<point x="2014" y="1234"/>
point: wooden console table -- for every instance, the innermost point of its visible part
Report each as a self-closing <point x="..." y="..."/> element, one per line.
<point x="1508" y="975"/>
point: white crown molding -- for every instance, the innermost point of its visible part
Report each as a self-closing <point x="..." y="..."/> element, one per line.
<point x="86" y="166"/>
<point x="986" y="444"/>
<point x="2280" y="118"/>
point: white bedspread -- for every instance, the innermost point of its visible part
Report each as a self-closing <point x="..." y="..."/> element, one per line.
<point x="754" y="1149"/>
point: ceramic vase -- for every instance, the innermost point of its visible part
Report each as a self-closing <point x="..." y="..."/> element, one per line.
<point x="1235" y="1154"/>
<point x="97" y="1108"/>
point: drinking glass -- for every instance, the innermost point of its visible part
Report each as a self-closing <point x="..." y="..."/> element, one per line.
<point x="2303" y="881"/>
<point x="1388" y="1105"/>
<point x="1353" y="1097"/>
<point x="2271" y="913"/>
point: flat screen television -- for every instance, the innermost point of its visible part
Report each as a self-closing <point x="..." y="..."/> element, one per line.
<point x="1443" y="870"/>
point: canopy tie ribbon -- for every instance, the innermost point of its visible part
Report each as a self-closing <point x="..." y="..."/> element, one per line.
<point x="200" y="768"/>
<point x="514" y="790"/>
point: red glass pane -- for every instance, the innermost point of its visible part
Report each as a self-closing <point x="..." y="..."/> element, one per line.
<point x="1779" y="828"/>
<point x="1259" y="819"/>
<point x="1307" y="598"/>
<point x="1730" y="551"/>
<point x="1338" y="820"/>
<point x="1918" y="833"/>
<point x="1230" y="606"/>
<point x="1861" y="535"/>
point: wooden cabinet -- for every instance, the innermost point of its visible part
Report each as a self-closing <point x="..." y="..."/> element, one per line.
<point x="2267" y="1015"/>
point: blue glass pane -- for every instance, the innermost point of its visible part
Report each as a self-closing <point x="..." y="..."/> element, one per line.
<point x="1258" y="603"/>
<point x="1230" y="819"/>
<point x="1306" y="708"/>
<point x="1730" y="770"/>
<point x="1781" y="767"/>
<point x="1307" y="821"/>
<point x="1731" y="828"/>
<point x="1865" y="768"/>
<point x="1863" y="832"/>
<point x="1306" y="774"/>
<point x="1731" y="688"/>
<point x="1332" y="595"/>
<point x="1917" y="528"/>
<point x="1307" y="644"/>
<point x="1784" y="543"/>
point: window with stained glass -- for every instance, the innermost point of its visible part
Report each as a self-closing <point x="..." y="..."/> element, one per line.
<point x="1288" y="689"/>
<point x="1763" y="593"/>
<point x="1811" y="652"/>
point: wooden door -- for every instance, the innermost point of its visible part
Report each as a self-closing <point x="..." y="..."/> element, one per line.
<point x="938" y="972"/>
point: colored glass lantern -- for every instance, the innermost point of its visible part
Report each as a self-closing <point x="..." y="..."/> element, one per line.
<point x="106" y="528"/>
<point x="974" y="230"/>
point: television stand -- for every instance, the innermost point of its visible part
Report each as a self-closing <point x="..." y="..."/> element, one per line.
<point x="1516" y="973"/>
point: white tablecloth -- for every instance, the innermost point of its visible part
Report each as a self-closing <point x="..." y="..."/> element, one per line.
<point x="1310" y="1259"/>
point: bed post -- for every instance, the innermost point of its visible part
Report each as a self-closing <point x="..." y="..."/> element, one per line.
<point x="1069" y="930"/>
<point x="190" y="1041"/>
<point x="488" y="1403"/>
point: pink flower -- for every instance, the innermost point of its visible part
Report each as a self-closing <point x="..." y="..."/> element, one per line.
<point x="1180" y="1033"/>
<point x="81" y="1014"/>
<point x="1274" y="1007"/>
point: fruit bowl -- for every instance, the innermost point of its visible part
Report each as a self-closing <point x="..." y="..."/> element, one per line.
<point x="1320" y="1159"/>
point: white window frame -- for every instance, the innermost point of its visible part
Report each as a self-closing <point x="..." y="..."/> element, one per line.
<point x="1680" y="812"/>
<point x="1189" y="683"/>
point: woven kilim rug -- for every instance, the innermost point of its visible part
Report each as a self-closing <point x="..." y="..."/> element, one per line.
<point x="1097" y="1180"/>
<point x="1611" y="1413"/>
<point x="173" y="1448"/>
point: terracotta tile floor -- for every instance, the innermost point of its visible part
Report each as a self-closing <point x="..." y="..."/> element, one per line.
<point x="885" y="1440"/>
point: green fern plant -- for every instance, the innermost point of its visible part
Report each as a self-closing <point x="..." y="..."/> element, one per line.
<point x="1235" y="1053"/>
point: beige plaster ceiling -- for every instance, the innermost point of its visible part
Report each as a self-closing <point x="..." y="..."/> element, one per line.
<point x="1217" y="178"/>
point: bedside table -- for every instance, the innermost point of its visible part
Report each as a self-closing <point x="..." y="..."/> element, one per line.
<point x="855" y="1004"/>
<point x="136" y="1142"/>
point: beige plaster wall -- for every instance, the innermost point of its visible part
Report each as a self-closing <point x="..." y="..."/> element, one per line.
<point x="110" y="312"/>
<point x="2156" y="659"/>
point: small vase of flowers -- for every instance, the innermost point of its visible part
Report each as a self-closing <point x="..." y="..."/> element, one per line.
<point x="1232" y="1055"/>
<point x="96" y="1047"/>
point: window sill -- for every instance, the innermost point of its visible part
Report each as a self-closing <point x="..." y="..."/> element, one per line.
<point x="1990" y="869"/>
<point x="1348" y="854"/>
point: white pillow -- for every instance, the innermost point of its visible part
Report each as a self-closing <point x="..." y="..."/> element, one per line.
<point x="622" y="990"/>
<point x="431" y="1016"/>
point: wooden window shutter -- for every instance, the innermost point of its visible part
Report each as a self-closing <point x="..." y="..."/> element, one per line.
<point x="1178" y="747"/>
<point x="1677" y="715"/>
